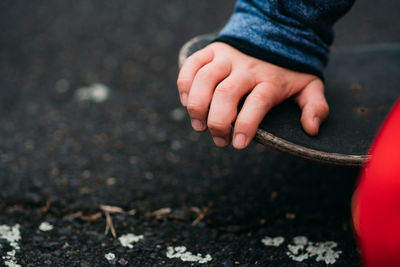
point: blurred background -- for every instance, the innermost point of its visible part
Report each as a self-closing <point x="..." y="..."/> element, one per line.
<point x="90" y="115"/>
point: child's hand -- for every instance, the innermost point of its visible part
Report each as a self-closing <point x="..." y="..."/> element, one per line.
<point x="213" y="80"/>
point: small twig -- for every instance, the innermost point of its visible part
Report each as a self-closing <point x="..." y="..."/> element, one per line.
<point x="111" y="210"/>
<point x="161" y="213"/>
<point x="129" y="212"/>
<point x="91" y="217"/>
<point x="75" y="215"/>
<point x="79" y="215"/>
<point x="109" y="225"/>
<point x="107" y="228"/>
<point x="201" y="214"/>
<point x="46" y="208"/>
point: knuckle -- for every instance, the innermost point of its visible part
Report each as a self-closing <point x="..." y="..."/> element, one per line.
<point x="247" y="127"/>
<point x="202" y="54"/>
<point x="226" y="88"/>
<point x="303" y="119"/>
<point x="262" y="98"/>
<point x="322" y="107"/>
<point x="245" y="75"/>
<point x="244" y="125"/>
<point x="205" y="73"/>
<point x="276" y="80"/>
<point x="214" y="70"/>
<point x="182" y="84"/>
<point x="260" y="95"/>
<point x="194" y="108"/>
<point x="218" y="126"/>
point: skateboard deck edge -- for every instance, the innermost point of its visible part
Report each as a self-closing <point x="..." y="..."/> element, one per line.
<point x="270" y="140"/>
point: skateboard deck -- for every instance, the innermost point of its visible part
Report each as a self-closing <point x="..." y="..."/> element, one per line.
<point x="362" y="84"/>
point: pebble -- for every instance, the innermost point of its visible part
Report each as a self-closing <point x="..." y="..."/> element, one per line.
<point x="123" y="262"/>
<point x="45" y="227"/>
<point x="110" y="256"/>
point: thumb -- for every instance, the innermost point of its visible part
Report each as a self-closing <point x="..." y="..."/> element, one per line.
<point x="314" y="107"/>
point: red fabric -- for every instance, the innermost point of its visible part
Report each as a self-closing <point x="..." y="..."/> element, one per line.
<point x="376" y="204"/>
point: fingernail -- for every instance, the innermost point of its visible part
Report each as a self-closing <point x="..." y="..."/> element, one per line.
<point x="219" y="141"/>
<point x="184" y="99"/>
<point x="198" y="125"/>
<point x="239" y="141"/>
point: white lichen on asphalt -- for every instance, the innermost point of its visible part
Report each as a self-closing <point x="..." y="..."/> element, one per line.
<point x="273" y="241"/>
<point x="302" y="249"/>
<point x="184" y="255"/>
<point x="45" y="227"/>
<point x="324" y="251"/>
<point x="110" y="256"/>
<point x="128" y="239"/>
<point x="10" y="260"/>
<point x="96" y="92"/>
<point x="12" y="235"/>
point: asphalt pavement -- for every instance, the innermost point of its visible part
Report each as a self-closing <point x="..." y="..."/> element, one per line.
<point x="99" y="165"/>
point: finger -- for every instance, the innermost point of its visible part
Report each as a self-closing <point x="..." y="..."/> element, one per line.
<point x="223" y="109"/>
<point x="201" y="92"/>
<point x="189" y="69"/>
<point x="259" y="102"/>
<point x="314" y="107"/>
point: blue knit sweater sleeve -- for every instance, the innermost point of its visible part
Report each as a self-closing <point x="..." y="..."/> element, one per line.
<point x="295" y="34"/>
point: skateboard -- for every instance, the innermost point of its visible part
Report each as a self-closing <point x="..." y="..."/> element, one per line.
<point x="362" y="84"/>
